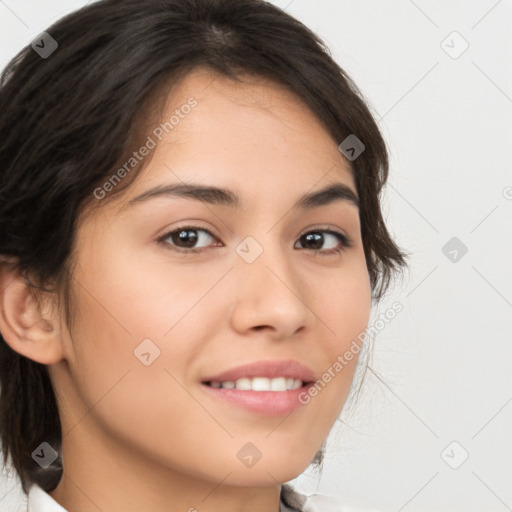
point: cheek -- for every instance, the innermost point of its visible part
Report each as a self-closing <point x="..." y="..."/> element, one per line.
<point x="129" y="308"/>
<point x="343" y="305"/>
<point x="136" y="295"/>
<point x="117" y="314"/>
<point x="343" y="301"/>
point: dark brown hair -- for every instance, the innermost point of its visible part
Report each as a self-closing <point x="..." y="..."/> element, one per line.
<point x="70" y="118"/>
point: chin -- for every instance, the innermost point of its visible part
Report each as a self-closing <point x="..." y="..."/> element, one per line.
<point x="269" y="471"/>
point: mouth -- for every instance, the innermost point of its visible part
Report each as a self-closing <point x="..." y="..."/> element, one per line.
<point x="260" y="384"/>
<point x="262" y="396"/>
<point x="265" y="387"/>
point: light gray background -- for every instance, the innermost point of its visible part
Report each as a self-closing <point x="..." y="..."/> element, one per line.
<point x="441" y="369"/>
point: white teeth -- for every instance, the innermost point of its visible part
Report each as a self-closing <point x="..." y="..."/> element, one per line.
<point x="278" y="384"/>
<point x="242" y="384"/>
<point x="260" y="384"/>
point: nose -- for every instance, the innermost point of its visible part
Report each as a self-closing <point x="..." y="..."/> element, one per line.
<point x="268" y="295"/>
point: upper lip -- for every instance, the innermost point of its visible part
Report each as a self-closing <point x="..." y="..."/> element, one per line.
<point x="267" y="368"/>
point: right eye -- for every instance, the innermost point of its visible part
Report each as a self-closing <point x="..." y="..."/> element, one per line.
<point x="184" y="239"/>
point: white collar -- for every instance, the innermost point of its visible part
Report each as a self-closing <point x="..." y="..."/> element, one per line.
<point x="40" y="501"/>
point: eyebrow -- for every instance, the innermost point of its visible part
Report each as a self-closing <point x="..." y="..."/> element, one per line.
<point x="221" y="196"/>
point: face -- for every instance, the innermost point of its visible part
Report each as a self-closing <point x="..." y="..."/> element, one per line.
<point x="175" y="289"/>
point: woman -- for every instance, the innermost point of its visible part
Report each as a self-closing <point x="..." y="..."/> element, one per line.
<point x="191" y="240"/>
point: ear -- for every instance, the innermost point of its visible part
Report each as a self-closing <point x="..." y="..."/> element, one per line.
<point x="24" y="325"/>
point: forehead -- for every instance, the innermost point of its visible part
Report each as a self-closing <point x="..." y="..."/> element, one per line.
<point x="255" y="113"/>
<point x="251" y="137"/>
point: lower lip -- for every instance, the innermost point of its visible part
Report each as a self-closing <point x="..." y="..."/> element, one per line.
<point x="265" y="403"/>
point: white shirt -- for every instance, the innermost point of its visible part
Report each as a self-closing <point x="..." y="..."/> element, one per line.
<point x="41" y="501"/>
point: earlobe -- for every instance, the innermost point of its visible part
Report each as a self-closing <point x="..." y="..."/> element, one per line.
<point x="27" y="329"/>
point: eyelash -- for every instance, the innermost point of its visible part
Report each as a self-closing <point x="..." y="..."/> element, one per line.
<point x="345" y="242"/>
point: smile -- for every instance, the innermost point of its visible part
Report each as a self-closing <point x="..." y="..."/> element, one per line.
<point x="259" y="384"/>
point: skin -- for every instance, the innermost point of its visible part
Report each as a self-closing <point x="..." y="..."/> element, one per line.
<point x="142" y="437"/>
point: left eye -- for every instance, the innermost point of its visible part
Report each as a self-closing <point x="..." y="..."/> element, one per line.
<point x="318" y="238"/>
<point x="185" y="239"/>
